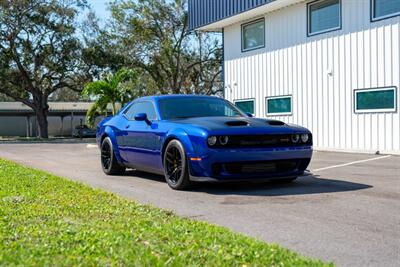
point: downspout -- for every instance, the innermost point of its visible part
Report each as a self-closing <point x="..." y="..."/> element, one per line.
<point x="223" y="63"/>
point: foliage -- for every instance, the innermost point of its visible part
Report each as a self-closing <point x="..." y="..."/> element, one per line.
<point x="113" y="89"/>
<point x="4" y="98"/>
<point x="65" y="95"/>
<point x="154" y="36"/>
<point x="43" y="55"/>
<point x="98" y="52"/>
<point x="39" y="52"/>
<point x="49" y="221"/>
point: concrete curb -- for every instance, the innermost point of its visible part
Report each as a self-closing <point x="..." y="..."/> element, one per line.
<point x="51" y="141"/>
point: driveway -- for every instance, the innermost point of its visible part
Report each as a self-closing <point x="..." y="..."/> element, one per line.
<point x="347" y="212"/>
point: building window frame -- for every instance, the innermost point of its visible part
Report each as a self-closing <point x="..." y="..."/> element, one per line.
<point x="242" y="35"/>
<point x="246" y="100"/>
<point x="267" y="113"/>
<point x="338" y="28"/>
<point x="378" y="110"/>
<point x="372" y="13"/>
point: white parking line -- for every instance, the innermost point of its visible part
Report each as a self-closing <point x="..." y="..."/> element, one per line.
<point x="91" y="146"/>
<point x="350" y="163"/>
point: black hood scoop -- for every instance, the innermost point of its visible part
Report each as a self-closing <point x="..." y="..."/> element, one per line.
<point x="237" y="123"/>
<point x="275" y="123"/>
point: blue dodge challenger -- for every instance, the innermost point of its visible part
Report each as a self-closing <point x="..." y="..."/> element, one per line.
<point x="190" y="138"/>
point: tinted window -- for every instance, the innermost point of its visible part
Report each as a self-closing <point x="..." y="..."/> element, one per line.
<point x="186" y="107"/>
<point x="279" y="105"/>
<point x="323" y="16"/>
<point x="253" y="35"/>
<point x="375" y="100"/>
<point x="141" y="107"/>
<point x="246" y="106"/>
<point x="385" y="8"/>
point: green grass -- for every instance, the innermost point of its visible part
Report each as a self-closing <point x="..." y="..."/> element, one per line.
<point x="46" y="220"/>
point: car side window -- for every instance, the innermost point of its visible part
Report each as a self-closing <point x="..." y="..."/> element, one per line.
<point x="141" y="107"/>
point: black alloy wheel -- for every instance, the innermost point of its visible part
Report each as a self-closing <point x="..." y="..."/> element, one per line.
<point x="176" y="169"/>
<point x="109" y="163"/>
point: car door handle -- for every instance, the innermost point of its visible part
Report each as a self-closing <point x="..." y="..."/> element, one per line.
<point x="127" y="126"/>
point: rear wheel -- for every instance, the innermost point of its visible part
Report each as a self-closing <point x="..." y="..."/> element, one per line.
<point x="176" y="169"/>
<point x="109" y="163"/>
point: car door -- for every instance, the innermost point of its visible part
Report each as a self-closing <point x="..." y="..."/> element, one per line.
<point x="141" y="138"/>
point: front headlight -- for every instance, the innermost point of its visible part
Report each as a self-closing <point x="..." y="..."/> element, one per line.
<point x="223" y="140"/>
<point x="295" y="138"/>
<point x="304" y="138"/>
<point x="212" y="140"/>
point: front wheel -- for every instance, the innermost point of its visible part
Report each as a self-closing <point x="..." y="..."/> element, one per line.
<point x="176" y="169"/>
<point x="109" y="163"/>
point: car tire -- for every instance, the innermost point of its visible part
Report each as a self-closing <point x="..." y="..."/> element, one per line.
<point x="109" y="163"/>
<point x="176" y="168"/>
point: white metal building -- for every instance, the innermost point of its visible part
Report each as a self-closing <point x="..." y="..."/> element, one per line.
<point x="332" y="66"/>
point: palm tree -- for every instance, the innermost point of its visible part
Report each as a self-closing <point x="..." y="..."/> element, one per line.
<point x="111" y="91"/>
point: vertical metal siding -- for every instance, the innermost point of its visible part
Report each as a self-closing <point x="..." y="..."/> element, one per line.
<point x="203" y="12"/>
<point x="362" y="54"/>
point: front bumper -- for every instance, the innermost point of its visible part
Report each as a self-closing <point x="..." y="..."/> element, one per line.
<point x="250" y="164"/>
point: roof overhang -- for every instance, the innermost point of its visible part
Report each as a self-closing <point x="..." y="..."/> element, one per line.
<point x="247" y="15"/>
<point x="54" y="107"/>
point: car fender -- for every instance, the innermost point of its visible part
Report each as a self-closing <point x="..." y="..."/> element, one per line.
<point x="182" y="136"/>
<point x="108" y="131"/>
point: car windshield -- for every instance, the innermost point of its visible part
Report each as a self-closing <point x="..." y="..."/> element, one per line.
<point x="188" y="107"/>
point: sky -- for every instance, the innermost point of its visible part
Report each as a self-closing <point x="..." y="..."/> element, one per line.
<point x="100" y="7"/>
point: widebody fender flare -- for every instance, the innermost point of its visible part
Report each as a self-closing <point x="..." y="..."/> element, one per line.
<point x="180" y="135"/>
<point x="108" y="131"/>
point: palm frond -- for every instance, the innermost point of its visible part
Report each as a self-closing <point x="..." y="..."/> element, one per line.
<point x="98" y="107"/>
<point x="96" y="88"/>
<point x="113" y="89"/>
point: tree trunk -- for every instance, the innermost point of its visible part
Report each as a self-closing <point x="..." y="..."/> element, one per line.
<point x="114" y="108"/>
<point x="41" y="116"/>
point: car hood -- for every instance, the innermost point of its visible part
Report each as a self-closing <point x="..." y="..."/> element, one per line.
<point x="240" y="125"/>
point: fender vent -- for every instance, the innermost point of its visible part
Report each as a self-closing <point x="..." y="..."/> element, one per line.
<point x="275" y="123"/>
<point x="237" y="123"/>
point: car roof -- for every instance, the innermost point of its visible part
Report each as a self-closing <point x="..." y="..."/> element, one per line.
<point x="158" y="97"/>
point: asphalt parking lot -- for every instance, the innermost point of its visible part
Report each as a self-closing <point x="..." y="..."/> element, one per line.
<point x="347" y="211"/>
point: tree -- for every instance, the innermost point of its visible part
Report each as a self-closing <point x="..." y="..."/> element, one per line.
<point x="154" y="36"/>
<point x="39" y="52"/>
<point x="98" y="53"/>
<point x="65" y="95"/>
<point x="4" y="98"/>
<point x="205" y="76"/>
<point x="114" y="89"/>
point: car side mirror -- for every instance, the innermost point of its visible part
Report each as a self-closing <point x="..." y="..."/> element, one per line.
<point x="142" y="117"/>
<point x="249" y="115"/>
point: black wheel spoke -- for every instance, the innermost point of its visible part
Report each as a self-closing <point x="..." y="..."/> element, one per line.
<point x="170" y="158"/>
<point x="106" y="155"/>
<point x="173" y="164"/>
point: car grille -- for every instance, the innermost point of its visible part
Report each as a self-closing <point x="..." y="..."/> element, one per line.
<point x="276" y="140"/>
<point x="260" y="167"/>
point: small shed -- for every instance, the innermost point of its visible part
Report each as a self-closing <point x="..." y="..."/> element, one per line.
<point x="17" y="119"/>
